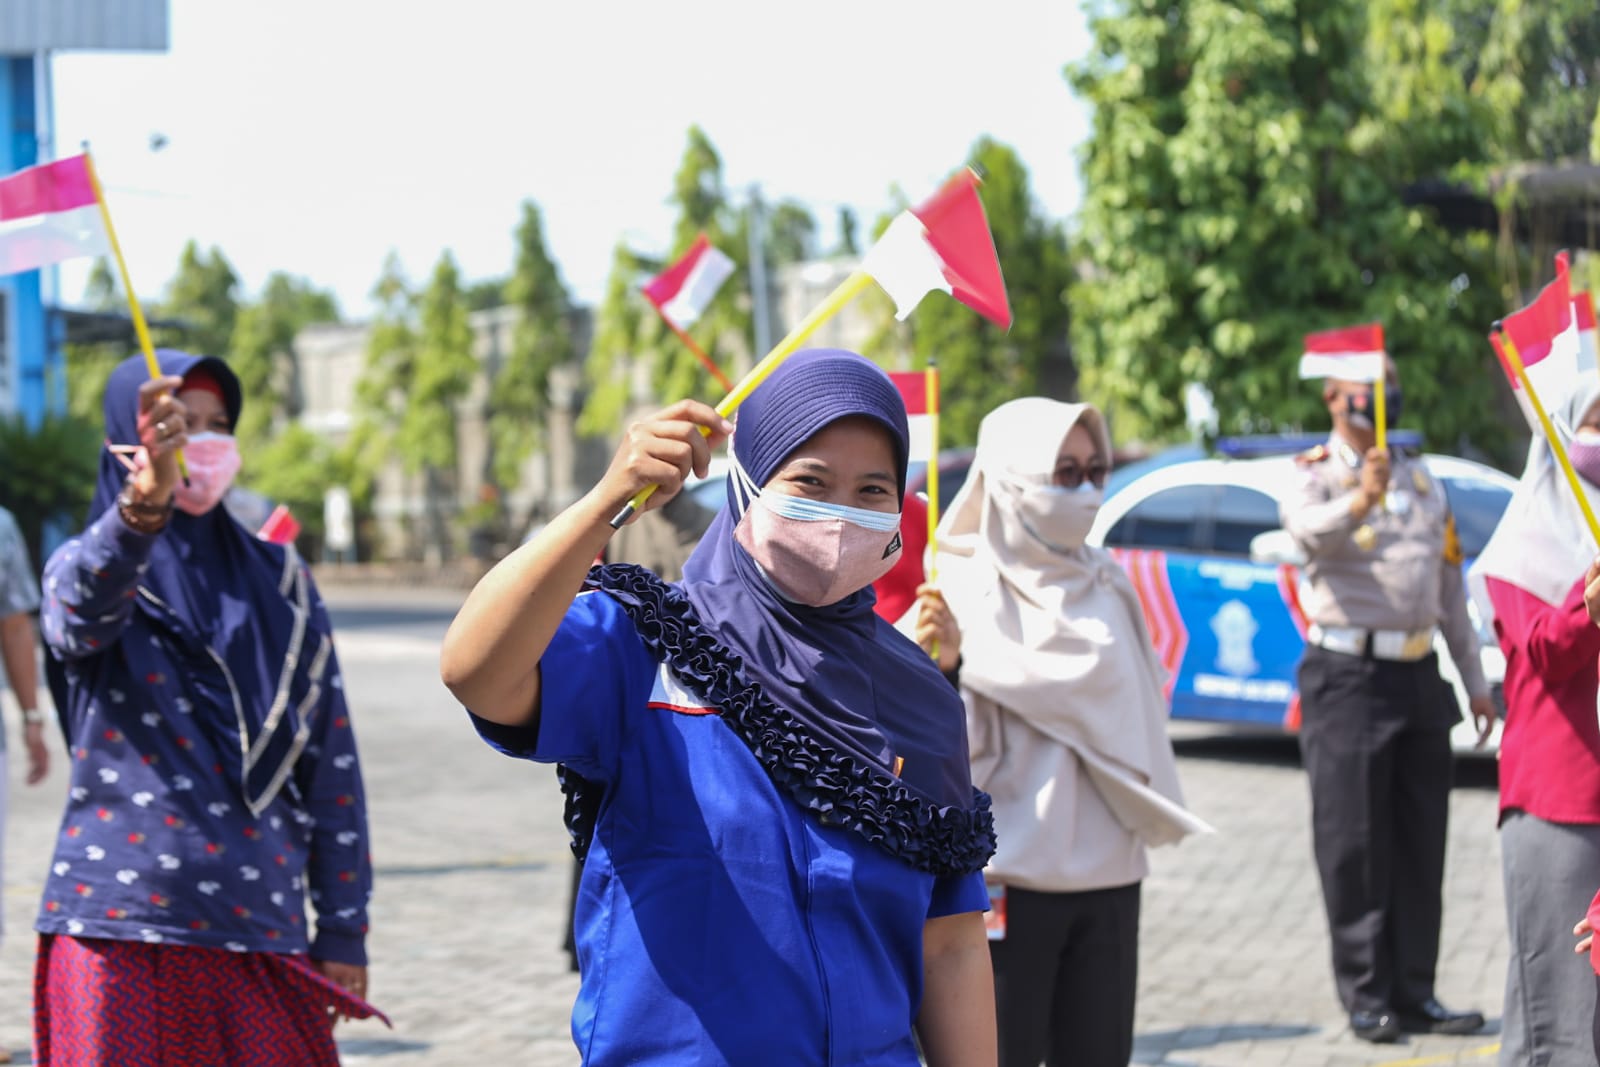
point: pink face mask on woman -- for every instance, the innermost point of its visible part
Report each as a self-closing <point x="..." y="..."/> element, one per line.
<point x="816" y="553"/>
<point x="213" y="462"/>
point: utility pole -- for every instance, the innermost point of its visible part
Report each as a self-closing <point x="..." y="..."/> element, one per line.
<point x="760" y="293"/>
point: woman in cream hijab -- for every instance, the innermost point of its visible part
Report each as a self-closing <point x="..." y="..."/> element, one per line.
<point x="1066" y="718"/>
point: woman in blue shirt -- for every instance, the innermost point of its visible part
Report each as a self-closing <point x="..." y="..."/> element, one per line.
<point x="214" y="778"/>
<point x="785" y="850"/>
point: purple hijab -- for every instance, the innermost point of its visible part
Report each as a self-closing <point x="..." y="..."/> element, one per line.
<point x="236" y="610"/>
<point x="850" y="678"/>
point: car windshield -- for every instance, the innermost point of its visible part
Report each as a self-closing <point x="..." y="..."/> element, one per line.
<point x="1477" y="505"/>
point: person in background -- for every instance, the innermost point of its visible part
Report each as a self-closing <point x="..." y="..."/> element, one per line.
<point x="1066" y="716"/>
<point x="785" y="855"/>
<point x="1550" y="746"/>
<point x="1383" y="575"/>
<point x="19" y="598"/>
<point x="214" y="777"/>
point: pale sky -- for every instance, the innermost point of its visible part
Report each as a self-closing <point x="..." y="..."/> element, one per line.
<point x="313" y="136"/>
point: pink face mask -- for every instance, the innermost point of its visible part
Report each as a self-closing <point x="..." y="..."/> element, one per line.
<point x="816" y="553"/>
<point x="213" y="462"/>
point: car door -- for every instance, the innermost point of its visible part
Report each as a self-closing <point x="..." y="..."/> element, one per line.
<point x="1221" y="624"/>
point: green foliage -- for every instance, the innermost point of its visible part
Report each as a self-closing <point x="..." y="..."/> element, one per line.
<point x="540" y="341"/>
<point x="49" y="473"/>
<point x="1538" y="66"/>
<point x="263" y="355"/>
<point x="618" y="323"/>
<point x="203" y="296"/>
<point x="791" y="235"/>
<point x="486" y="294"/>
<point x="296" y="466"/>
<point x="981" y="367"/>
<point x="1243" y="179"/>
<point x="848" y="245"/>
<point x="445" y="368"/>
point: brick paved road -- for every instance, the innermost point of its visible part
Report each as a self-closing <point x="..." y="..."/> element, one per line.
<point x="472" y="869"/>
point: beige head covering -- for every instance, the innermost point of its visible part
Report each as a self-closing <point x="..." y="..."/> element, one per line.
<point x="1057" y="636"/>
<point x="1542" y="544"/>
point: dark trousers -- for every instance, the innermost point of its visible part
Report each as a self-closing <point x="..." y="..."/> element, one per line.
<point x="1375" y="740"/>
<point x="1065" y="976"/>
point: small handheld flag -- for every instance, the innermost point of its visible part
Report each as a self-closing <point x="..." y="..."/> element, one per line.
<point x="946" y="245"/>
<point x="681" y="293"/>
<point x="1352" y="354"/>
<point x="1539" y="346"/>
<point x="920" y="391"/>
<point x="57" y="211"/>
<point x="1588" y="334"/>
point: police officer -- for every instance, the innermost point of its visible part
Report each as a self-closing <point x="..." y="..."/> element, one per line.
<point x="1383" y="576"/>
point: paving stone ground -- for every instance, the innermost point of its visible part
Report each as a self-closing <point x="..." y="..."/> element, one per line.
<point x="472" y="872"/>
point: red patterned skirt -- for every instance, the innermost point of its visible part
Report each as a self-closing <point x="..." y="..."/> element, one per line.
<point x="102" y="1003"/>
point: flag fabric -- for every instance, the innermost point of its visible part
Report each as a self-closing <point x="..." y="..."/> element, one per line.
<point x="1588" y="335"/>
<point x="913" y="386"/>
<point x="943" y="244"/>
<point x="281" y="527"/>
<point x="49" y="213"/>
<point x="1350" y="353"/>
<point x="682" y="291"/>
<point x="1517" y="391"/>
<point x="1545" y="334"/>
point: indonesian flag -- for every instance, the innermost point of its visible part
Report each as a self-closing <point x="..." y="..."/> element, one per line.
<point x="920" y="412"/>
<point x="682" y="292"/>
<point x="1351" y="353"/>
<point x="1588" y="335"/>
<point x="49" y="213"/>
<point x="1545" y="334"/>
<point x="944" y="244"/>
<point x="1516" y="384"/>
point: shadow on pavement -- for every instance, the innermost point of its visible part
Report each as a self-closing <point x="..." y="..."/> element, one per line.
<point x="374" y="1047"/>
<point x="1277" y="750"/>
<point x="348" y="616"/>
<point x="427" y="871"/>
<point x="1153" y="1048"/>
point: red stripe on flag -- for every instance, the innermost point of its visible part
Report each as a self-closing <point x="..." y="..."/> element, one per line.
<point x="1534" y="328"/>
<point x="1584" y="303"/>
<point x="913" y="386"/>
<point x="1367" y="337"/>
<point x="958" y="230"/>
<point x="45" y="190"/>
<point x="664" y="286"/>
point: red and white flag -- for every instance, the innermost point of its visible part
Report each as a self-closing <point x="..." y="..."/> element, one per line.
<point x="920" y="412"/>
<point x="1545" y="334"/>
<point x="1588" y="335"/>
<point x="682" y="291"/>
<point x="943" y="244"/>
<point x="49" y="213"/>
<point x="1350" y="353"/>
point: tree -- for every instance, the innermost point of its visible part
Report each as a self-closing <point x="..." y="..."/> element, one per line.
<point x="1244" y="179"/>
<point x="262" y="352"/>
<point x="382" y="391"/>
<point x="1538" y="64"/>
<point x="618" y="323"/>
<point x="847" y="233"/>
<point x="541" y="340"/>
<point x="90" y="365"/>
<point x="202" y="296"/>
<point x="442" y="375"/>
<point x="791" y="235"/>
<point x="981" y="367"/>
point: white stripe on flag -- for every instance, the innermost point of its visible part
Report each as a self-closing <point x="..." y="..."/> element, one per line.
<point x="702" y="283"/>
<point x="1556" y="375"/>
<point x="920" y="438"/>
<point x="1588" y="352"/>
<point x="35" y="241"/>
<point x="905" y="264"/>
<point x="1346" y="366"/>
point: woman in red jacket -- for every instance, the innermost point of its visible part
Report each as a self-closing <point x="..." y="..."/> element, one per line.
<point x="1531" y="573"/>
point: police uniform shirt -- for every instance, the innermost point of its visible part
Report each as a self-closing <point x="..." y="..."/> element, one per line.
<point x="1398" y="567"/>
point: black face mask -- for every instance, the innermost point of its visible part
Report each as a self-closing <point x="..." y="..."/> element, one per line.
<point x="1358" y="407"/>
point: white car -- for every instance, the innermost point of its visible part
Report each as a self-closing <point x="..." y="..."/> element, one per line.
<point x="1219" y="580"/>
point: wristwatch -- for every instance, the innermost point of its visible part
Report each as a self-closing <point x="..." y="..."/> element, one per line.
<point x="32" y="716"/>
<point x="140" y="516"/>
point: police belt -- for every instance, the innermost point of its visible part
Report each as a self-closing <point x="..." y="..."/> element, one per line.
<point x="1405" y="646"/>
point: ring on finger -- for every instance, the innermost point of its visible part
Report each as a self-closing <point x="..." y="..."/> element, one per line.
<point x="161" y="429"/>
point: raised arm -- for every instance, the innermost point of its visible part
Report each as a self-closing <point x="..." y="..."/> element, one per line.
<point x="490" y="658"/>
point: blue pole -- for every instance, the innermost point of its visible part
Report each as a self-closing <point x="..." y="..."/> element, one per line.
<point x="26" y="345"/>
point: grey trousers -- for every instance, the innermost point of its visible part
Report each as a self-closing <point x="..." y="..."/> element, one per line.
<point x="1552" y="871"/>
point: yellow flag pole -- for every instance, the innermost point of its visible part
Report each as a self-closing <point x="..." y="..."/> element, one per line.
<point x="140" y="328"/>
<point x="1380" y="408"/>
<point x="930" y="387"/>
<point x="1559" y="450"/>
<point x="845" y="292"/>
